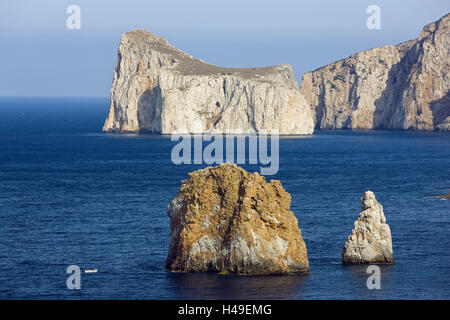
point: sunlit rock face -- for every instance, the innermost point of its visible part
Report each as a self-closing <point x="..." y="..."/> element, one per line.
<point x="227" y="220"/>
<point x="392" y="87"/>
<point x="158" y="88"/>
<point x="370" y="241"/>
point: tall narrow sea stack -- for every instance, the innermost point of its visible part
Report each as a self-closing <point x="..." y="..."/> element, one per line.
<point x="370" y="241"/>
<point x="227" y="220"/>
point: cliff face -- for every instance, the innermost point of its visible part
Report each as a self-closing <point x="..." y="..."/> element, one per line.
<point x="158" y="88"/>
<point x="227" y="220"/>
<point x="394" y="87"/>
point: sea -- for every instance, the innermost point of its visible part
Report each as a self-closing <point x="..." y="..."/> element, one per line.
<point x="72" y="195"/>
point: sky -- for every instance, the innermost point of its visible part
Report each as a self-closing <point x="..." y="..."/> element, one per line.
<point x="40" y="56"/>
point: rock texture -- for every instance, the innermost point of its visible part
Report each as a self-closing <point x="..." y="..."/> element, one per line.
<point x="227" y="220"/>
<point x="443" y="196"/>
<point x="158" y="88"/>
<point x="393" y="87"/>
<point x="445" y="125"/>
<point x="370" y="241"/>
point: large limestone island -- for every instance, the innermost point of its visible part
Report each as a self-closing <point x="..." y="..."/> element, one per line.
<point x="158" y="88"/>
<point x="392" y="87"/>
<point x="227" y="220"/>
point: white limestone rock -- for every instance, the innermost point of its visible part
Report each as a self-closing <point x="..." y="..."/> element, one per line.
<point x="370" y="241"/>
<point x="445" y="125"/>
<point x="392" y="87"/>
<point x="158" y="88"/>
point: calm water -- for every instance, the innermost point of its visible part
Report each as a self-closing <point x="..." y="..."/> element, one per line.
<point x="72" y="195"/>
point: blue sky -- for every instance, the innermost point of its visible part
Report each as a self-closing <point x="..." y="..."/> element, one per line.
<point x="41" y="57"/>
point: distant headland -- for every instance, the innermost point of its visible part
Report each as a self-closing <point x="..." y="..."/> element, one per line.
<point x="160" y="89"/>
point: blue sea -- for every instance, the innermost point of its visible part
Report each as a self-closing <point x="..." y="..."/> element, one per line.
<point x="72" y="195"/>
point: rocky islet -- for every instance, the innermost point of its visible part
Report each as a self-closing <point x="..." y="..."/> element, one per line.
<point x="160" y="89"/>
<point x="227" y="220"/>
<point x="370" y="240"/>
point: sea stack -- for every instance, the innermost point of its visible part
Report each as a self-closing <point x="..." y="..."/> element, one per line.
<point x="158" y="88"/>
<point x="370" y="241"/>
<point x="227" y="220"/>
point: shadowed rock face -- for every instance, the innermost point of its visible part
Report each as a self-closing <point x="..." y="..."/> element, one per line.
<point x="392" y="87"/>
<point x="445" y="125"/>
<point x="227" y="220"/>
<point x="158" y="88"/>
<point x="370" y="241"/>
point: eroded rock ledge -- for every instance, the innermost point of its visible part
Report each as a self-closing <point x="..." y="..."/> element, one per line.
<point x="370" y="241"/>
<point x="227" y="220"/>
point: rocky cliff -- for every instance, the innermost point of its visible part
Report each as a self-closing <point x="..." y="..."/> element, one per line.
<point x="393" y="87"/>
<point x="158" y="88"/>
<point x="227" y="220"/>
<point x="370" y="241"/>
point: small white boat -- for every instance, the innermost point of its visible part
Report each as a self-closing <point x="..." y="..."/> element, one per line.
<point x="90" y="271"/>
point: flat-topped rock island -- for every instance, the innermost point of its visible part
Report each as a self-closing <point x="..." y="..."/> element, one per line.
<point x="160" y="89"/>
